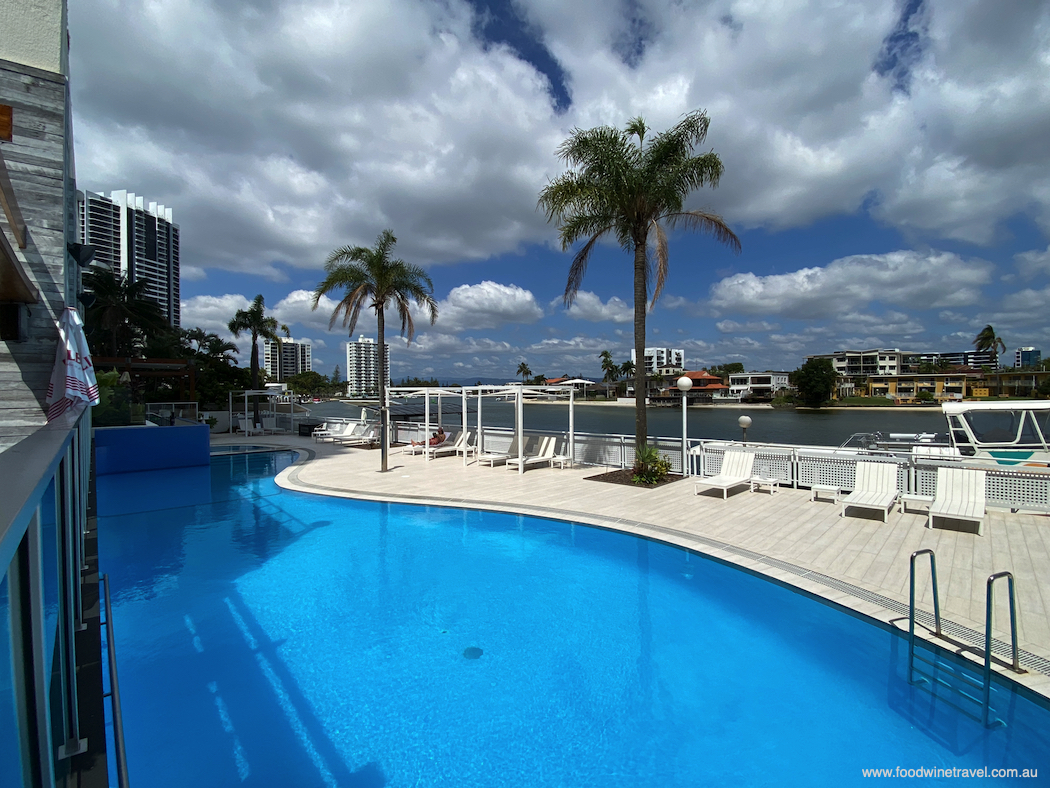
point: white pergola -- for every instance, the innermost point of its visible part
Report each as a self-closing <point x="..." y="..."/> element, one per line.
<point x="515" y="391"/>
<point x="270" y="395"/>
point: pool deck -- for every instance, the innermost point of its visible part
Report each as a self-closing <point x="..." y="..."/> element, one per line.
<point x="859" y="563"/>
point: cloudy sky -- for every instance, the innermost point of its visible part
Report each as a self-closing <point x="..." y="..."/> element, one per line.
<point x="886" y="165"/>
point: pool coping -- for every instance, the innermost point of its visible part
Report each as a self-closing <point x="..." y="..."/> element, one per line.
<point x="873" y="607"/>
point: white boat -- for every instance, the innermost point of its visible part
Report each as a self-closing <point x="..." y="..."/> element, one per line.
<point x="1001" y="433"/>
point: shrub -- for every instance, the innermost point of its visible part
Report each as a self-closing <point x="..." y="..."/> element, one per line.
<point x="649" y="466"/>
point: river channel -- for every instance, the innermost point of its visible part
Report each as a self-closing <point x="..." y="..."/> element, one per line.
<point x="824" y="427"/>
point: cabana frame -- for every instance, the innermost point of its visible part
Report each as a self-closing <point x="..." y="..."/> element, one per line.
<point x="516" y="391"/>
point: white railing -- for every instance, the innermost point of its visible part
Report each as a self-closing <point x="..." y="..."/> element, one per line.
<point x="793" y="466"/>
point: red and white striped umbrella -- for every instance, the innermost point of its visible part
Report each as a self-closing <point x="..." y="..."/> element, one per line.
<point x="74" y="376"/>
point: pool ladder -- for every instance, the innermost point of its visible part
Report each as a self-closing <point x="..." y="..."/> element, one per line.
<point x="985" y="685"/>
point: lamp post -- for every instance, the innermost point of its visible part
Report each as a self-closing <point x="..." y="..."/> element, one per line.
<point x="684" y="384"/>
<point x="744" y="422"/>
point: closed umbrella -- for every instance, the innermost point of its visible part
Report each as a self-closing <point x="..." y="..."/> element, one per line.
<point x="73" y="379"/>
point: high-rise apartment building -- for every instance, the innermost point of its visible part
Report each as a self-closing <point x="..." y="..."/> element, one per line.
<point x="1027" y="357"/>
<point x="362" y="367"/>
<point x="660" y="357"/>
<point x="135" y="239"/>
<point x="290" y="359"/>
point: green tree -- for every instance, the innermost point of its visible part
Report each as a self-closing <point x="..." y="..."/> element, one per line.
<point x="987" y="339"/>
<point x="524" y="371"/>
<point x="370" y="278"/>
<point x="121" y="317"/>
<point x="620" y="185"/>
<point x="335" y="374"/>
<point x="815" y="381"/>
<point x="254" y="321"/>
<point x="308" y="383"/>
<point x="725" y="370"/>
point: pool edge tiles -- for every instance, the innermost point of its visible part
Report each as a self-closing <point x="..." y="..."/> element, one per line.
<point x="846" y="593"/>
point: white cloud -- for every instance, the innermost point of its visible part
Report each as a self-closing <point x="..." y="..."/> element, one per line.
<point x="731" y="326"/>
<point x="297" y="308"/>
<point x="486" y="305"/>
<point x="1033" y="262"/>
<point x="192" y="273"/>
<point x="904" y="278"/>
<point x="588" y="306"/>
<point x="283" y="133"/>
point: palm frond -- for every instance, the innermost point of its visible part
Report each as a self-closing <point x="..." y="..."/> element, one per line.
<point x="579" y="268"/>
<point x="660" y="253"/>
<point x="709" y="223"/>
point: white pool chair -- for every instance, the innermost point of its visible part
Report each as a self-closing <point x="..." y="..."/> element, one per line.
<point x="366" y="437"/>
<point x="735" y="472"/>
<point x="875" y="487"/>
<point x="960" y="495"/>
<point x="451" y="445"/>
<point x="498" y="458"/>
<point x="542" y="457"/>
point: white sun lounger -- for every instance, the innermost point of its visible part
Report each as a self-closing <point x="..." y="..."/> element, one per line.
<point x="368" y="436"/>
<point x="332" y="430"/>
<point x="960" y="495"/>
<point x="875" y="487"/>
<point x="735" y="472"/>
<point x="498" y="458"/>
<point x="543" y="457"/>
<point x="450" y="446"/>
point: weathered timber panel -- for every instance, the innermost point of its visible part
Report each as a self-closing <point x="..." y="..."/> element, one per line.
<point x="36" y="162"/>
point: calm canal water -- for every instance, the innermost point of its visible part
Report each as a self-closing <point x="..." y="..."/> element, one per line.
<point x="827" y="427"/>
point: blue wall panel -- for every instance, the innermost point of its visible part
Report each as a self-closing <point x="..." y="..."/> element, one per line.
<point x="125" y="449"/>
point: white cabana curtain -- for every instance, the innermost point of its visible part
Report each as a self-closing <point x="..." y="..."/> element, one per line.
<point x="73" y="379"/>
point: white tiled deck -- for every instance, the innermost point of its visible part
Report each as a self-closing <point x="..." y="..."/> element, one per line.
<point x="861" y="564"/>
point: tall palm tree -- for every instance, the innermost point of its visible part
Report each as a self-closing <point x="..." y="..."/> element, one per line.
<point x="609" y="367"/>
<point x="121" y="317"/>
<point x="627" y="371"/>
<point x="254" y="321"/>
<point x="218" y="349"/>
<point x="371" y="278"/>
<point x="987" y="339"/>
<point x="622" y="186"/>
<point x="524" y="371"/>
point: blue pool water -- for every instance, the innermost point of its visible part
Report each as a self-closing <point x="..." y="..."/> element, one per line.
<point x="269" y="638"/>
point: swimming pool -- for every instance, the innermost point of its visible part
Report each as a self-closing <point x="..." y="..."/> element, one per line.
<point x="274" y="638"/>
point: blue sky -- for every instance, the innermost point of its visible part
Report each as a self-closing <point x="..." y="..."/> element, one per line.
<point x="885" y="165"/>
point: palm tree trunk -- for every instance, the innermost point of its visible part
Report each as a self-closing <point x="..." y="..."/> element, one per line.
<point x="641" y="426"/>
<point x="381" y="325"/>
<point x="255" y="379"/>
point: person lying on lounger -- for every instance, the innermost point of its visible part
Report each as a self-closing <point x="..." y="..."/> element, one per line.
<point x="439" y="438"/>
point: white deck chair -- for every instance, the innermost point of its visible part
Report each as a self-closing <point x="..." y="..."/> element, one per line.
<point x="365" y="438"/>
<point x="333" y="430"/>
<point x="960" y="495"/>
<point x="735" y="472"/>
<point x="875" y="487"/>
<point x="542" y="457"/>
<point x="352" y="433"/>
<point x="451" y="445"/>
<point x="493" y="459"/>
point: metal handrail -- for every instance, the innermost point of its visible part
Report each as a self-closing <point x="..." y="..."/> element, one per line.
<point x="1016" y="666"/>
<point x="911" y="606"/>
<point x="114" y="693"/>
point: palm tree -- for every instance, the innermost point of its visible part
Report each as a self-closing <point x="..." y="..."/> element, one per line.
<point x="627" y="370"/>
<point x="120" y="317"/>
<point x="254" y="321"/>
<point x="524" y="371"/>
<point x="218" y="349"/>
<point x="987" y="339"/>
<point x="624" y="187"/>
<point x="609" y="367"/>
<point x="370" y="278"/>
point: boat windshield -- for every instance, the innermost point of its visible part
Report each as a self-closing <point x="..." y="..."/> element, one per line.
<point x="1014" y="427"/>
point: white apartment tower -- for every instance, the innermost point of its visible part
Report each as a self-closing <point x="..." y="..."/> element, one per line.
<point x="362" y="367"/>
<point x="291" y="359"/>
<point x="135" y="239"/>
<point x="660" y="357"/>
